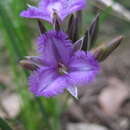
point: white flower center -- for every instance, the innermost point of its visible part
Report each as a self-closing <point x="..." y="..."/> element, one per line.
<point x="54" y="7"/>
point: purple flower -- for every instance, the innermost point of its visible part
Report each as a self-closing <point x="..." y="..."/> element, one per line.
<point x="60" y="66"/>
<point x="46" y="8"/>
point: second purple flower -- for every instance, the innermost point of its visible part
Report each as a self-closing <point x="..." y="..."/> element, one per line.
<point x="46" y="8"/>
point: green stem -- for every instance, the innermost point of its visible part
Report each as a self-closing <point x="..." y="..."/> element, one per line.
<point x="44" y="113"/>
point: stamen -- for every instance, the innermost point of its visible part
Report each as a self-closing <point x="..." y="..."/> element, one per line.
<point x="62" y="69"/>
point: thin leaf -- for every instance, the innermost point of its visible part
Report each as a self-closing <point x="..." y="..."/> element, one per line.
<point x="4" y="125"/>
<point x="94" y="28"/>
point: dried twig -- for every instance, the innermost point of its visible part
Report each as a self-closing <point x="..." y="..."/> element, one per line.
<point x="117" y="8"/>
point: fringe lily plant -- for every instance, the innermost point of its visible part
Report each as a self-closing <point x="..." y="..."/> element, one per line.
<point x="64" y="61"/>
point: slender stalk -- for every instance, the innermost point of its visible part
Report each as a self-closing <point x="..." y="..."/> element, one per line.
<point x="44" y="113"/>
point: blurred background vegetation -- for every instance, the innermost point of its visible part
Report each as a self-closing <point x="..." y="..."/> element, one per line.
<point x="17" y="37"/>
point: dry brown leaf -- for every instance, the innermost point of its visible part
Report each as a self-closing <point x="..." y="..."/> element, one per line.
<point x="85" y="126"/>
<point x="111" y="97"/>
<point x="11" y="104"/>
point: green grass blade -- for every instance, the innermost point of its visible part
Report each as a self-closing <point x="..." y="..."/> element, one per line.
<point x="4" y="125"/>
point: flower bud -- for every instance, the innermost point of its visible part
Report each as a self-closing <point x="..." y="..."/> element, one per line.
<point x="104" y="50"/>
<point x="28" y="65"/>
